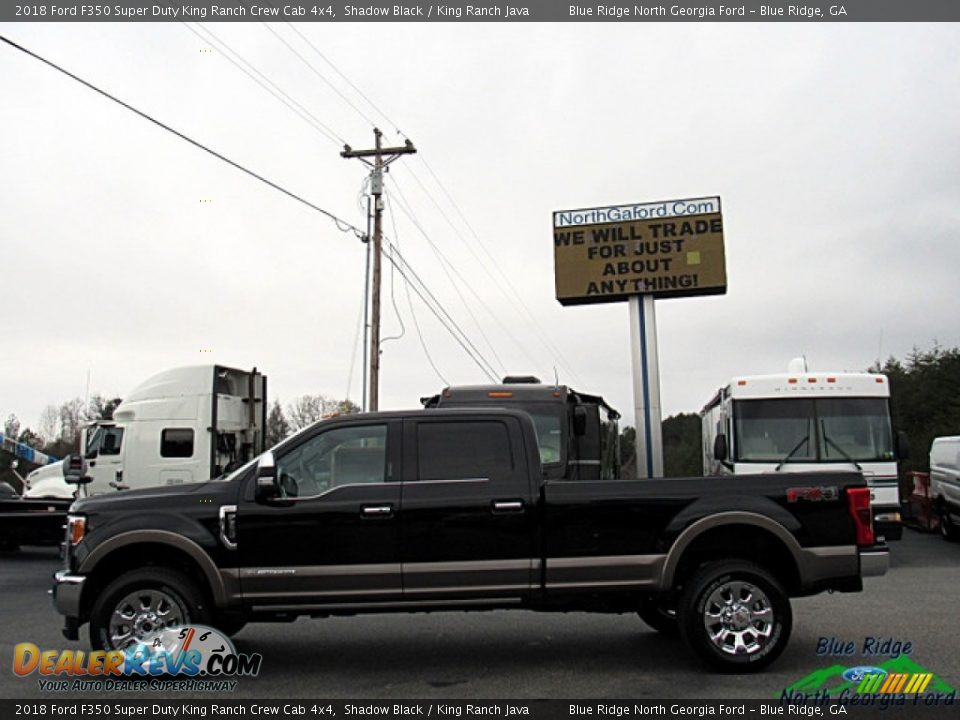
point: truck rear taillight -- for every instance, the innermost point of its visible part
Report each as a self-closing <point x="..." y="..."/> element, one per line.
<point x="858" y="502"/>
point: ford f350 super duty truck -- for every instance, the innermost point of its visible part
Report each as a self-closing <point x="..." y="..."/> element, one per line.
<point x="449" y="509"/>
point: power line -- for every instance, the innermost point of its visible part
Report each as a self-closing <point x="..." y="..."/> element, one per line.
<point x="407" y="271"/>
<point x="341" y="224"/>
<point x="447" y="267"/>
<point x="515" y="300"/>
<point x="413" y="313"/>
<point x="346" y="79"/>
<point x="270" y="86"/>
<point x="318" y="74"/>
<point x="420" y="288"/>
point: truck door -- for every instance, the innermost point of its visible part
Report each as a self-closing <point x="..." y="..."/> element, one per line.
<point x="333" y="535"/>
<point x="104" y="453"/>
<point x="468" y="521"/>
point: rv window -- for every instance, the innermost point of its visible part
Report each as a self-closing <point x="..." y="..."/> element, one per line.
<point x="772" y="430"/>
<point x="854" y="429"/>
<point x="176" y="442"/>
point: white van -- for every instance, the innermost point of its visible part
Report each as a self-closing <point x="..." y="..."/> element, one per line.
<point x="945" y="484"/>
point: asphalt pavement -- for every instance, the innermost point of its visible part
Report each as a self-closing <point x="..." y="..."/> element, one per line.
<point x="520" y="654"/>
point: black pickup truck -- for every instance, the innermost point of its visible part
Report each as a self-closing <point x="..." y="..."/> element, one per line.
<point x="450" y="510"/>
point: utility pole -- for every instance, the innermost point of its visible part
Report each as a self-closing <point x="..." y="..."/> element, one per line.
<point x="382" y="157"/>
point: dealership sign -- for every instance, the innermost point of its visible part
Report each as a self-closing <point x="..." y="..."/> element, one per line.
<point x="672" y="248"/>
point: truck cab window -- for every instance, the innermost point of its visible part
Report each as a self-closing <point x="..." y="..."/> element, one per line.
<point x="342" y="456"/>
<point x="111" y="440"/>
<point x="176" y="443"/>
<point x="463" y="451"/>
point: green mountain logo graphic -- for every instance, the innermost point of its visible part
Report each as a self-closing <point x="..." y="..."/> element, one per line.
<point x="831" y="680"/>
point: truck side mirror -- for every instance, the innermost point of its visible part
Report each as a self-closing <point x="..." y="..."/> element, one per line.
<point x="266" y="477"/>
<point x="579" y="421"/>
<point x="903" y="446"/>
<point x="720" y="449"/>
<point x="75" y="470"/>
<point x="92" y="455"/>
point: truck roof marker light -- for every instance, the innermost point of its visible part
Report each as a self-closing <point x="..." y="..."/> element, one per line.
<point x="792" y="381"/>
<point x="880" y="380"/>
<point x="741" y="382"/>
<point x="556" y="393"/>
<point x="831" y="380"/>
<point x="811" y="380"/>
<point x="499" y="394"/>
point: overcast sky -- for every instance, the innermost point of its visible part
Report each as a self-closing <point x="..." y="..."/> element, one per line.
<point x="126" y="251"/>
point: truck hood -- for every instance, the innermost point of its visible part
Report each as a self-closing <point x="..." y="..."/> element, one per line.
<point x="163" y="496"/>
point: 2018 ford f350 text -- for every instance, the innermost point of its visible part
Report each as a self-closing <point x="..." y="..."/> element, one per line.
<point x="449" y="509"/>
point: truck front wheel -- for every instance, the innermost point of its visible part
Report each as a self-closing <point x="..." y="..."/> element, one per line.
<point x="735" y="616"/>
<point x="142" y="602"/>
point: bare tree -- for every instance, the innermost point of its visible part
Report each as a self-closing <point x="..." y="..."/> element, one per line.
<point x="309" y="409"/>
<point x="50" y="423"/>
<point x="71" y="418"/>
<point x="277" y="426"/>
<point x="11" y="428"/>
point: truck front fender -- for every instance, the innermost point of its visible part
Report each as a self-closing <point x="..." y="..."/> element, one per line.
<point x="161" y="537"/>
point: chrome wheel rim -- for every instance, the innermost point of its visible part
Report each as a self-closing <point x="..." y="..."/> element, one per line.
<point x="142" y="613"/>
<point x="738" y="618"/>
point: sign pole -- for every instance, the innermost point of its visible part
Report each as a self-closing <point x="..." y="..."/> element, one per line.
<point x="646" y="386"/>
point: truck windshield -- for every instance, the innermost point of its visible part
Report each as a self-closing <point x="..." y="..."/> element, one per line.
<point x="105" y="441"/>
<point x="547" y="420"/>
<point x="813" y="430"/>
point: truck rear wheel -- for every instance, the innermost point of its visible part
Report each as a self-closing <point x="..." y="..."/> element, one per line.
<point x="142" y="602"/>
<point x="735" y="616"/>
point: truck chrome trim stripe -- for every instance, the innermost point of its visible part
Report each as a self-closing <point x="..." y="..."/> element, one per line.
<point x="389" y="605"/>
<point x="470" y="565"/>
<point x="609" y="561"/>
<point x="833" y="551"/>
<point x="874" y="564"/>
<point x="613" y="570"/>
<point x="647" y="582"/>
<point x="321" y="570"/>
<point x="468" y="589"/>
<point x="301" y="498"/>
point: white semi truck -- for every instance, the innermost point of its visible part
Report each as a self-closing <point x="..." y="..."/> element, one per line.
<point x="808" y="421"/>
<point x="183" y="425"/>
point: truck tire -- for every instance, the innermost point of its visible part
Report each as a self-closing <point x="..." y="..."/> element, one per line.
<point x="948" y="531"/>
<point x="659" y="615"/>
<point x="143" y="601"/>
<point x="735" y="616"/>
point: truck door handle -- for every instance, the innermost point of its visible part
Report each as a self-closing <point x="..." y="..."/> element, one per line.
<point x="507" y="506"/>
<point x="377" y="511"/>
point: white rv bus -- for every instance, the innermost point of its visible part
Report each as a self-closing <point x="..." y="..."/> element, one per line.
<point x="183" y="425"/>
<point x="803" y="421"/>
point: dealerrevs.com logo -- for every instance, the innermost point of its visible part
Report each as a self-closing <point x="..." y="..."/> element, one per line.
<point x="189" y="657"/>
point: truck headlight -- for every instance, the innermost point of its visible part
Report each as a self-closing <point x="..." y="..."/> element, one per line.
<point x="76" y="529"/>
